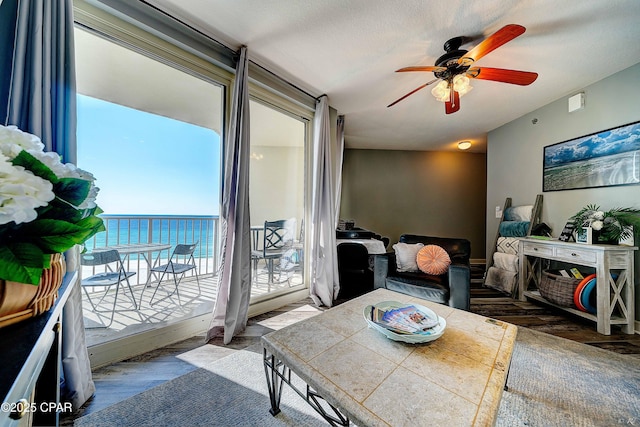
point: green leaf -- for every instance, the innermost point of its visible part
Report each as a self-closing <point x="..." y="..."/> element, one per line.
<point x="53" y="235"/>
<point x="38" y="168"/>
<point x="21" y="262"/>
<point x="94" y="223"/>
<point x="72" y="190"/>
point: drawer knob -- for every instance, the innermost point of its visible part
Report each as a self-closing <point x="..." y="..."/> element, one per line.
<point x="535" y="249"/>
<point x="574" y="254"/>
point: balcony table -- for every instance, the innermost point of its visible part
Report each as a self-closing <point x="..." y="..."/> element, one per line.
<point x="146" y="249"/>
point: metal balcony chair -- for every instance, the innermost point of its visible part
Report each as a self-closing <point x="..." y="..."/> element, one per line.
<point x="114" y="275"/>
<point x="278" y="241"/>
<point x="179" y="264"/>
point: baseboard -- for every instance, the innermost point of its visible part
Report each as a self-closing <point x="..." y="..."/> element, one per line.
<point x="266" y="306"/>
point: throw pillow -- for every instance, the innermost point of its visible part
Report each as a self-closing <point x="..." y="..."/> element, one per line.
<point x="406" y="256"/>
<point x="432" y="259"/>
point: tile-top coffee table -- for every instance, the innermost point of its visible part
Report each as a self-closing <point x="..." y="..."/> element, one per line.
<point x="368" y="379"/>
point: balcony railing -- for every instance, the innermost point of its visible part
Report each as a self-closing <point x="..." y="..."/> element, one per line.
<point x="166" y="229"/>
<point x="195" y="299"/>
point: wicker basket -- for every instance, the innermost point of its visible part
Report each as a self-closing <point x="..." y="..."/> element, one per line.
<point x="558" y="289"/>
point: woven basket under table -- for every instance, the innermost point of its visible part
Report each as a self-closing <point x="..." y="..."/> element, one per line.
<point x="557" y="288"/>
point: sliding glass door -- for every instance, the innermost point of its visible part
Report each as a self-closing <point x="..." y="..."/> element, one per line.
<point x="149" y="129"/>
<point x="277" y="198"/>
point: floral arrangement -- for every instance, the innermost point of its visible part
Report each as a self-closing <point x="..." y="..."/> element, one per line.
<point x="611" y="225"/>
<point x="46" y="206"/>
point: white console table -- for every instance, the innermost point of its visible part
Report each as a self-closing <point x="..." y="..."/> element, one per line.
<point x="614" y="297"/>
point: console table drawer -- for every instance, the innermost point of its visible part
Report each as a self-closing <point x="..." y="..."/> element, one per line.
<point x="572" y="254"/>
<point x="536" y="249"/>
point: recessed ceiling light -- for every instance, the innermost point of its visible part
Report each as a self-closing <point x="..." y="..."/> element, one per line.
<point x="464" y="145"/>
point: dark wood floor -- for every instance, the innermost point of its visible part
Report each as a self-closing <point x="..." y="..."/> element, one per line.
<point x="125" y="379"/>
<point x="550" y="320"/>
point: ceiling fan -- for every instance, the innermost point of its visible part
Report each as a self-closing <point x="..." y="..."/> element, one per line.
<point x="454" y="68"/>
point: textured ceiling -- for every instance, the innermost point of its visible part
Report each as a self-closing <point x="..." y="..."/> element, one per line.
<point x="349" y="50"/>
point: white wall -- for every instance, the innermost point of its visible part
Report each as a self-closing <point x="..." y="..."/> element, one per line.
<point x="515" y="150"/>
<point x="276" y="188"/>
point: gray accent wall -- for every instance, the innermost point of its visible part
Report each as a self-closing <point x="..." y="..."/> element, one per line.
<point x="420" y="192"/>
<point x="515" y="150"/>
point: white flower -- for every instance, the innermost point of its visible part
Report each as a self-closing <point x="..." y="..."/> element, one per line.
<point x="599" y="215"/>
<point x="597" y="225"/>
<point x="52" y="160"/>
<point x="13" y="140"/>
<point x="21" y="192"/>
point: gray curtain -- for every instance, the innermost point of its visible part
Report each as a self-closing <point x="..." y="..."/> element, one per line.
<point x="38" y="94"/>
<point x="234" y="288"/>
<point x="325" y="284"/>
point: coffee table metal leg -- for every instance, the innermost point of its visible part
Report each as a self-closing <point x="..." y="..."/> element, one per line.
<point x="278" y="373"/>
<point x="337" y="420"/>
<point x="274" y="381"/>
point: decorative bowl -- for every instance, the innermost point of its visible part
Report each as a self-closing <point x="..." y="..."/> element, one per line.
<point x="433" y="334"/>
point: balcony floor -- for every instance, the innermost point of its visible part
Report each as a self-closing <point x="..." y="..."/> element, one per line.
<point x="165" y="309"/>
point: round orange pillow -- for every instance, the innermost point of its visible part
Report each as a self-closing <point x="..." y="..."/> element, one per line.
<point x="432" y="259"/>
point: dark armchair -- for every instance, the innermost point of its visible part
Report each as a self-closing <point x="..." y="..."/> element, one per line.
<point x="451" y="288"/>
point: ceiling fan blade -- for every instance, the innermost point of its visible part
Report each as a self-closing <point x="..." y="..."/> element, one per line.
<point x="522" y="78"/>
<point x="494" y="41"/>
<point x="421" y="68"/>
<point x="411" y="93"/>
<point x="453" y="104"/>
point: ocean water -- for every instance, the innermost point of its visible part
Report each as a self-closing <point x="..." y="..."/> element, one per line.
<point x="127" y="229"/>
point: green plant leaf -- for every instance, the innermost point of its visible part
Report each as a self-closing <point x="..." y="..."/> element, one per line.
<point x="21" y="262"/>
<point x="28" y="161"/>
<point x="72" y="190"/>
<point x="53" y="235"/>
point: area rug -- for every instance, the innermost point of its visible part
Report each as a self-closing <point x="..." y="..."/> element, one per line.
<point x="558" y="382"/>
<point x="552" y="382"/>
<point x="229" y="392"/>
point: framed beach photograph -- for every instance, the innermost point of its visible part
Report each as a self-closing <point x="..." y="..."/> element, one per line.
<point x="607" y="158"/>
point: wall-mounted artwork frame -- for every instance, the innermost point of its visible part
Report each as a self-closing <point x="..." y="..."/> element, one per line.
<point x="607" y="158"/>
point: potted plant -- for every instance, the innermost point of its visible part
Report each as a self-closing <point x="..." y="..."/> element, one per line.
<point x="46" y="207"/>
<point x="608" y="226"/>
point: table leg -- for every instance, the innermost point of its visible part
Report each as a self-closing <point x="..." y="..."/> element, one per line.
<point x="147" y="257"/>
<point x="278" y="373"/>
<point x="274" y="381"/>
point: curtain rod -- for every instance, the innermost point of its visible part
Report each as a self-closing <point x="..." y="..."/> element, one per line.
<point x="232" y="53"/>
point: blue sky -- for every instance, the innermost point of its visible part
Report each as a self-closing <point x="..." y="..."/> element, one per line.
<point x="148" y="164"/>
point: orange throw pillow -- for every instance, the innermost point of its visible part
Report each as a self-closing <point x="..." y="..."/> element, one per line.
<point x="432" y="259"/>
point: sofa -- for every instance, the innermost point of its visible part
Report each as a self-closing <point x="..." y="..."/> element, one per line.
<point x="451" y="287"/>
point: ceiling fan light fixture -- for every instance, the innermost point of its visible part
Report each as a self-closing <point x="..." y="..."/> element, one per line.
<point x="464" y="145"/>
<point x="462" y="84"/>
<point x="441" y="91"/>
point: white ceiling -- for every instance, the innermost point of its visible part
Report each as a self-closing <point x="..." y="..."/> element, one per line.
<point x="349" y="50"/>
